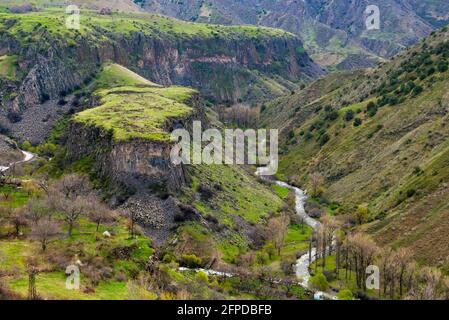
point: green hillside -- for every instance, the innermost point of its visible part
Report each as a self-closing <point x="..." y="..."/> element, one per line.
<point x="133" y="107"/>
<point x="380" y="138"/>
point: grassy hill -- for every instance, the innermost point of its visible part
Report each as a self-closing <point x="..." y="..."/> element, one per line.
<point x="380" y="138"/>
<point x="132" y="107"/>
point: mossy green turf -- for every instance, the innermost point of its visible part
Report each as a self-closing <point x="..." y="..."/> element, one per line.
<point x="8" y="67"/>
<point x="53" y="19"/>
<point x="133" y="107"/>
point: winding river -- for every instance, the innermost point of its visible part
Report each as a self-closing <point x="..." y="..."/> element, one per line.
<point x="27" y="156"/>
<point x="303" y="263"/>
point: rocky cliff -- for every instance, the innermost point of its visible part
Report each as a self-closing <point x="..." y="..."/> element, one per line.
<point x="332" y="30"/>
<point x="226" y="64"/>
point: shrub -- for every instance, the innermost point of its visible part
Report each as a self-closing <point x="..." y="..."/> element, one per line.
<point x="319" y="282"/>
<point x="417" y="90"/>
<point x="411" y="193"/>
<point x="45" y="97"/>
<point x="357" y="122"/>
<point x="349" y="115"/>
<point x="443" y="66"/>
<point x="4" y="128"/>
<point x="202" y="277"/>
<point x="345" y="295"/>
<point x="371" y="109"/>
<point x="332" y="115"/>
<point x="324" y="139"/>
<point x="190" y="261"/>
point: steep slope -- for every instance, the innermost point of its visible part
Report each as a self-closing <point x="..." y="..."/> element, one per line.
<point x="334" y="32"/>
<point x="380" y="138"/>
<point x="227" y="64"/>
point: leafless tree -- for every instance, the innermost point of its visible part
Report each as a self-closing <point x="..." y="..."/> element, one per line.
<point x="98" y="212"/>
<point x="278" y="228"/>
<point x="316" y="179"/>
<point x="363" y="250"/>
<point x="37" y="209"/>
<point x="73" y="186"/>
<point x="402" y="257"/>
<point x="71" y="211"/>
<point x="18" y="220"/>
<point x="45" y="231"/>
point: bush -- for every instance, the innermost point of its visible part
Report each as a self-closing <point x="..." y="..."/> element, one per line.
<point x="411" y="193"/>
<point x="324" y="139"/>
<point x="332" y="115"/>
<point x="190" y="261"/>
<point x="371" y="109"/>
<point x="345" y="295"/>
<point x="357" y="122"/>
<point x="349" y="115"/>
<point x="319" y="282"/>
<point x="202" y="277"/>
<point x="443" y="66"/>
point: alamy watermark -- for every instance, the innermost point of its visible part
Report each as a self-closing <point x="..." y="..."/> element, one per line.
<point x="372" y="21"/>
<point x="73" y="20"/>
<point x="373" y="280"/>
<point x="236" y="147"/>
<point x="73" y="277"/>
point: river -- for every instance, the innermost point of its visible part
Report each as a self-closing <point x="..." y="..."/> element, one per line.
<point x="27" y="156"/>
<point x="303" y="263"/>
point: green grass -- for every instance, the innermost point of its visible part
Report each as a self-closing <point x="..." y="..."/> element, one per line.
<point x="236" y="195"/>
<point x="53" y="286"/>
<point x="17" y="197"/>
<point x="297" y="239"/>
<point x="114" y="75"/>
<point x="125" y="23"/>
<point x="85" y="240"/>
<point x="282" y="192"/>
<point x="241" y="194"/>
<point x="8" y="67"/>
<point x="132" y="107"/>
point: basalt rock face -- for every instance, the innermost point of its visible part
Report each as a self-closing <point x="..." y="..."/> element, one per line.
<point x="223" y="69"/>
<point x="139" y="165"/>
<point x="327" y="27"/>
<point x="136" y="164"/>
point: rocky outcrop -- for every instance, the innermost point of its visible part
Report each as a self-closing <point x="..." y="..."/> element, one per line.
<point x="403" y="22"/>
<point x="225" y="68"/>
<point x="140" y="165"/>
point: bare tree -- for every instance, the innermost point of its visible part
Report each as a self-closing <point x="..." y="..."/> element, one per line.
<point x="98" y="212"/>
<point x="18" y="220"/>
<point x="44" y="231"/>
<point x="71" y="211"/>
<point x="428" y="283"/>
<point x="363" y="250"/>
<point x="316" y="179"/>
<point x="278" y="228"/>
<point x="403" y="257"/>
<point x="73" y="186"/>
<point x="37" y="209"/>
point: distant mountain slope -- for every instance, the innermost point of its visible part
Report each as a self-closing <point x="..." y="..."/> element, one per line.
<point x="379" y="137"/>
<point x="334" y="32"/>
